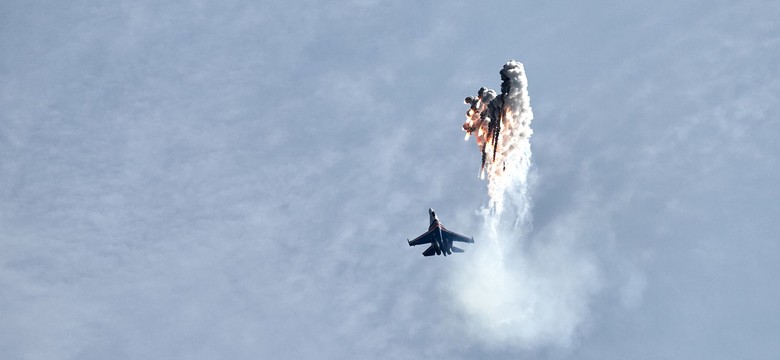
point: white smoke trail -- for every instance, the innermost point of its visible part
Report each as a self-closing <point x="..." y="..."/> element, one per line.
<point x="513" y="294"/>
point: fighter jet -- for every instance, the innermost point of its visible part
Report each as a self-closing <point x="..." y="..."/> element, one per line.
<point x="440" y="238"/>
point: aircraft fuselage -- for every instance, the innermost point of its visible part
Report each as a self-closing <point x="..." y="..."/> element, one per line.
<point x="442" y="246"/>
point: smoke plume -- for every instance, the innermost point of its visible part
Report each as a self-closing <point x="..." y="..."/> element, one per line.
<point x="502" y="126"/>
<point x="514" y="292"/>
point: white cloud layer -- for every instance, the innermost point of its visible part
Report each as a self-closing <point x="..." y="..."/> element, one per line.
<point x="235" y="179"/>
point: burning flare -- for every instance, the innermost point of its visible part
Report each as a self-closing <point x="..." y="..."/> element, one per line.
<point x="502" y="127"/>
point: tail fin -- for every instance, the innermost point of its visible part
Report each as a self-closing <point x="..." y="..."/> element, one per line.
<point x="456" y="249"/>
<point x="430" y="251"/>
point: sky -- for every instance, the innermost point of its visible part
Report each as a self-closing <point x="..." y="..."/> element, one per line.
<point x="237" y="179"/>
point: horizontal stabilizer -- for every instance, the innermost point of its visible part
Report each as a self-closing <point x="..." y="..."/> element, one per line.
<point x="430" y="251"/>
<point x="456" y="249"/>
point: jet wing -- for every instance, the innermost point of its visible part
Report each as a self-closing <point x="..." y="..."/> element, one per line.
<point x="451" y="236"/>
<point x="426" y="238"/>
